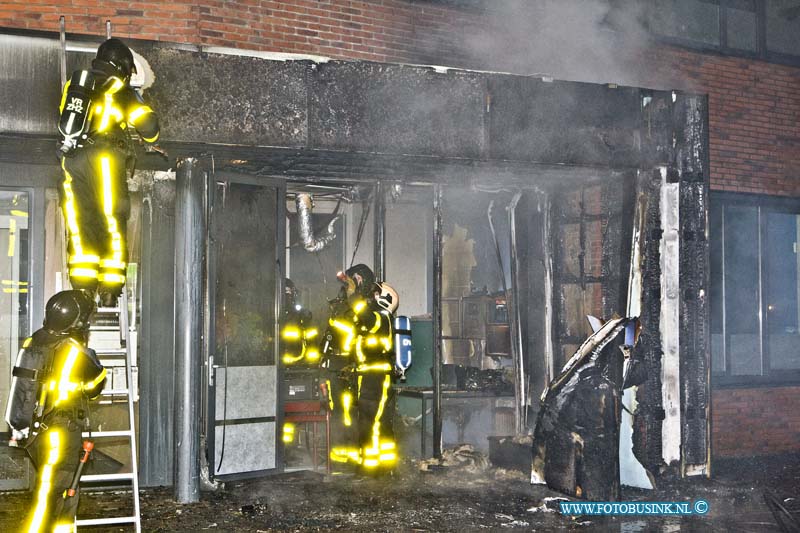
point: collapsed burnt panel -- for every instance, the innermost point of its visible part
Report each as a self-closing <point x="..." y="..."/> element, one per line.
<point x="576" y="440"/>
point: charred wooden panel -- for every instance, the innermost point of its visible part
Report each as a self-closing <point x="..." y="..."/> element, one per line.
<point x="214" y="98"/>
<point x="569" y="122"/>
<point x="650" y="415"/>
<point x="396" y="109"/>
<point x="618" y="206"/>
<point x="691" y="159"/>
<point x="656" y="129"/>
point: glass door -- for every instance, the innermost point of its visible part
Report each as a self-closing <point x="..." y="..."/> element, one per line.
<point x="15" y="252"/>
<point x="245" y="275"/>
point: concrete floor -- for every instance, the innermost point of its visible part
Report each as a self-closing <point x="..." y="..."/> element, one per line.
<point x="469" y="497"/>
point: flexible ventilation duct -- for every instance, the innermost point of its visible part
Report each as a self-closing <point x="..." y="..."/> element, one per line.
<point x="305" y="205"/>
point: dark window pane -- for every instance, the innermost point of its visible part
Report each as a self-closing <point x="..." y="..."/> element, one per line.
<point x="783" y="26"/>
<point x="245" y="236"/>
<point x="781" y="290"/>
<point x="741" y="30"/>
<point x="14" y="323"/>
<point x="717" y="344"/>
<point x="694" y="20"/>
<point x="741" y="290"/>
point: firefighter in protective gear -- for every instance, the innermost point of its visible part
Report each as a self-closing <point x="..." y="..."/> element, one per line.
<point x="98" y="109"/>
<point x="299" y="337"/>
<point x="363" y="331"/>
<point x="299" y="341"/>
<point x="54" y="377"/>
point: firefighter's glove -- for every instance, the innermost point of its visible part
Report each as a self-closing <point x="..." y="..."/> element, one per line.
<point x="155" y="149"/>
<point x="18" y="438"/>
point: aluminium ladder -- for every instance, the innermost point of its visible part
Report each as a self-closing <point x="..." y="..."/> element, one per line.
<point x="114" y="355"/>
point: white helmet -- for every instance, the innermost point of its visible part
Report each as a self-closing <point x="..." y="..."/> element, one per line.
<point x="386" y="297"/>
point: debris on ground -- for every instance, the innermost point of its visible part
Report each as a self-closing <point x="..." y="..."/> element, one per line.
<point x="463" y="456"/>
<point x="458" y="501"/>
<point x="549" y="505"/>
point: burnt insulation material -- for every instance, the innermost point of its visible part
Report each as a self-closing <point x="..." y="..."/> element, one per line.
<point x="650" y="412"/>
<point x="576" y="440"/>
<point x="692" y="162"/>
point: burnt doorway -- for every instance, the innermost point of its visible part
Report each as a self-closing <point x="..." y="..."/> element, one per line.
<point x="245" y="273"/>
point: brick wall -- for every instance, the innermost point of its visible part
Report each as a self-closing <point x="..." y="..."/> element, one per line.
<point x="388" y="30"/>
<point x="755" y="421"/>
<point x="754" y="119"/>
<point x="754" y="107"/>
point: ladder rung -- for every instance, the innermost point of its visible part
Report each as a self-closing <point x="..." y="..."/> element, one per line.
<point x="101" y="434"/>
<point x="106" y="521"/>
<point x="110" y="352"/>
<point x="94" y="478"/>
<point x="104" y="328"/>
<point x="114" y="392"/>
<point x="115" y="354"/>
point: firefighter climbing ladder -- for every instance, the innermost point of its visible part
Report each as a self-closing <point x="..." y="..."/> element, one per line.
<point x="112" y="324"/>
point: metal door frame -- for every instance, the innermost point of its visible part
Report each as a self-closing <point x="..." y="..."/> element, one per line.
<point x="32" y="180"/>
<point x="209" y="345"/>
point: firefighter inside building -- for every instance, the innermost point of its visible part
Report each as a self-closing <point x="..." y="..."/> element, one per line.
<point x="99" y="109"/>
<point x="54" y="377"/>
<point x="299" y="344"/>
<point x="359" y="359"/>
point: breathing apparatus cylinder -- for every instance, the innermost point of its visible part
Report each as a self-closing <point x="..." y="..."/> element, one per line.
<point x="24" y="389"/>
<point x="402" y="343"/>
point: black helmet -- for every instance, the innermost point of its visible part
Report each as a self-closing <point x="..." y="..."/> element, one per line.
<point x="363" y="277"/>
<point x="67" y="311"/>
<point x="115" y="53"/>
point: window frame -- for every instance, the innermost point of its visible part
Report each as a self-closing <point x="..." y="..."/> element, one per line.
<point x="763" y="202"/>
<point x="760" y="53"/>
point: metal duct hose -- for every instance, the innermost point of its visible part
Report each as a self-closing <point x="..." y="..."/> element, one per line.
<point x="305" y="205"/>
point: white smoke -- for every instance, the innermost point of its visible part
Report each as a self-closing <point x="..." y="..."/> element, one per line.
<point x="598" y="41"/>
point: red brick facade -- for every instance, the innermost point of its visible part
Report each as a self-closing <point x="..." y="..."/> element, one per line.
<point x="756" y="421"/>
<point x="754" y="110"/>
<point x="754" y="116"/>
<point x="388" y="30"/>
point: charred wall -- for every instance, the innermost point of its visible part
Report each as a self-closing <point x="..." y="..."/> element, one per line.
<point x="691" y="162"/>
<point x="393" y="109"/>
<point x="650" y="414"/>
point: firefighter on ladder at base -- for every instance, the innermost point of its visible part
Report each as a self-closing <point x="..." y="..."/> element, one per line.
<point x="54" y="377"/>
<point x="359" y="357"/>
<point x="299" y="340"/>
<point x="96" y="149"/>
